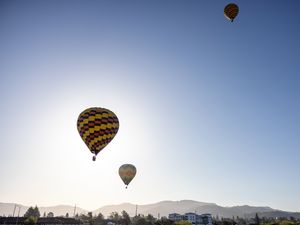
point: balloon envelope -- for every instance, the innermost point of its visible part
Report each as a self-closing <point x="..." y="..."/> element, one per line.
<point x="127" y="173"/>
<point x="97" y="127"/>
<point x="231" y="11"/>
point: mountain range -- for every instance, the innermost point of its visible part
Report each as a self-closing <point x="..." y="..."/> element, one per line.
<point x="158" y="209"/>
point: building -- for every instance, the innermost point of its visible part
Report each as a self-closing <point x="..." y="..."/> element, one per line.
<point x="175" y="217"/>
<point x="192" y="217"/>
<point x="206" y="219"/>
<point x="196" y="219"/>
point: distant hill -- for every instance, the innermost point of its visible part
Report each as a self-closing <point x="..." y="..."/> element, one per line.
<point x="274" y="214"/>
<point x="59" y="210"/>
<point x="229" y="212"/>
<point x="7" y="209"/>
<point x="163" y="208"/>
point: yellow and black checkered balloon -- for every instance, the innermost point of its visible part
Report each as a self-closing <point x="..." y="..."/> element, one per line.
<point x="97" y="127"/>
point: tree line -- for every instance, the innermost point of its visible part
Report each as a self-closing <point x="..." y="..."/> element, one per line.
<point x="33" y="213"/>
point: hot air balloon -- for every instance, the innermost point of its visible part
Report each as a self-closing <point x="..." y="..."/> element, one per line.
<point x="127" y="173"/>
<point x="97" y="127"/>
<point x="230" y="11"/>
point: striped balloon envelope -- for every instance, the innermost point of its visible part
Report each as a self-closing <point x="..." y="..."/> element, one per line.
<point x="97" y="127"/>
<point x="127" y="173"/>
<point x="231" y="11"/>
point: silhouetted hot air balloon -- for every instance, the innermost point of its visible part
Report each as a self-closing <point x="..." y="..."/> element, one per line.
<point x="97" y="127"/>
<point x="230" y="11"/>
<point x="127" y="173"/>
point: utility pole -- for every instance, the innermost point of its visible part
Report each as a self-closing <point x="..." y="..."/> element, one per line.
<point x="74" y="211"/>
<point x="18" y="215"/>
<point x="136" y="210"/>
<point x="19" y="211"/>
<point x="14" y="210"/>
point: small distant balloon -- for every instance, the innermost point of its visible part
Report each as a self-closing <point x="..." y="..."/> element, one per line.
<point x="231" y="11"/>
<point x="97" y="127"/>
<point x="127" y="173"/>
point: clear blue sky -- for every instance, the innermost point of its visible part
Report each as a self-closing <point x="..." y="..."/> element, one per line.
<point x="209" y="110"/>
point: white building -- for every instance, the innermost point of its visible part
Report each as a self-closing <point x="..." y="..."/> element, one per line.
<point x="175" y="217"/>
<point x="203" y="219"/>
<point x="191" y="217"/>
<point x="206" y="219"/>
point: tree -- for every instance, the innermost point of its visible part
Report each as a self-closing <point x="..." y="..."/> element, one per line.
<point x="227" y="221"/>
<point x="150" y="219"/>
<point x="37" y="212"/>
<point x="138" y="220"/>
<point x="90" y="218"/>
<point x="183" y="222"/>
<point x="114" y="216"/>
<point x="87" y="219"/>
<point x="99" y="220"/>
<point x="32" y="212"/>
<point x="50" y="214"/>
<point x="125" y="220"/>
<point x="241" y="221"/>
<point x="31" y="220"/>
<point x="164" y="221"/>
<point x="100" y="216"/>
<point x="257" y="220"/>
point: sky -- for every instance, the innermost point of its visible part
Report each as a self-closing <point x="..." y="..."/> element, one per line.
<point x="209" y="110"/>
